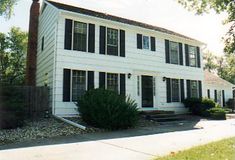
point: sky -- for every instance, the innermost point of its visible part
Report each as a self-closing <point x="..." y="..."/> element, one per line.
<point x="162" y="13"/>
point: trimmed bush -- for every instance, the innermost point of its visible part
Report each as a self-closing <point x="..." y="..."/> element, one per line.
<point x="12" y="109"/>
<point x="106" y="109"/>
<point x="230" y="104"/>
<point x="217" y="113"/>
<point x="194" y="105"/>
<point x="208" y="103"/>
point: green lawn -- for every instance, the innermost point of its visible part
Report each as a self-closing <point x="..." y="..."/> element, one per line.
<point x="221" y="150"/>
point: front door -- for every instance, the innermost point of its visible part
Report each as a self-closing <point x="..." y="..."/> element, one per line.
<point x="147" y="91"/>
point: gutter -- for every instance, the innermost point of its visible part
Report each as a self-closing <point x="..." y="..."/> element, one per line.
<point x="70" y="122"/>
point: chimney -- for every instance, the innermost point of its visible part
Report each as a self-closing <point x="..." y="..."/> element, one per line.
<point x="32" y="44"/>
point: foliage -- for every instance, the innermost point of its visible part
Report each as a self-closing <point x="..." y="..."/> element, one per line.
<point x="6" y="8"/>
<point x="219" y="6"/>
<point x="12" y="108"/>
<point x="194" y="105"/>
<point x="217" y="113"/>
<point x="13" y="48"/>
<point x="223" y="149"/>
<point x="208" y="103"/>
<point x="106" y="109"/>
<point x="230" y="104"/>
<point x="210" y="61"/>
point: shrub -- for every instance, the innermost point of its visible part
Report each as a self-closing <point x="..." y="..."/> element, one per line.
<point x="230" y="104"/>
<point x="194" y="105"/>
<point x="106" y="109"/>
<point x="217" y="113"/>
<point x="208" y="103"/>
<point x="12" y="109"/>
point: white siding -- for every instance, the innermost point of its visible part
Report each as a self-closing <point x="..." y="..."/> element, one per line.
<point x="137" y="62"/>
<point x="45" y="58"/>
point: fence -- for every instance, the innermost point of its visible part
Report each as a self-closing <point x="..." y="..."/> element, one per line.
<point x="35" y="99"/>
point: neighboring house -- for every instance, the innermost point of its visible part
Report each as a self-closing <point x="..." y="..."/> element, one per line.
<point x="217" y="88"/>
<point x="81" y="49"/>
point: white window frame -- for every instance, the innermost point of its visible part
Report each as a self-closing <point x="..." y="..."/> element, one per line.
<point x="177" y="52"/>
<point x="87" y="33"/>
<point x="148" y="42"/>
<point x="179" y="89"/>
<point x="106" y="41"/>
<point x="106" y="80"/>
<point x="197" y="88"/>
<point x="71" y="82"/>
<point x="196" y="60"/>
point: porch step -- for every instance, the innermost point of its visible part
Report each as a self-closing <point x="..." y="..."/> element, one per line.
<point x="162" y="116"/>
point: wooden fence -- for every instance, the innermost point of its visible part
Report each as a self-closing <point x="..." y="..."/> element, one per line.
<point x="35" y="99"/>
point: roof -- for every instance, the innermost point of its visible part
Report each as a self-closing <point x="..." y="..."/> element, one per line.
<point x="210" y="78"/>
<point x="76" y="9"/>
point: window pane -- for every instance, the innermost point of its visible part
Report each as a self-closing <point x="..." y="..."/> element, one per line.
<point x="80" y="36"/>
<point x="145" y="42"/>
<point x="175" y="90"/>
<point x="112" y="82"/>
<point x="194" y="89"/>
<point x="174" y="53"/>
<point x="78" y="84"/>
<point x="192" y="56"/>
<point x="112" y="41"/>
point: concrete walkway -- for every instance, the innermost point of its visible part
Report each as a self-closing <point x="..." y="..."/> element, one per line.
<point x="130" y="148"/>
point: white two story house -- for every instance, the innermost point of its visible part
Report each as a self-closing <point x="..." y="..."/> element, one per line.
<point x="80" y="49"/>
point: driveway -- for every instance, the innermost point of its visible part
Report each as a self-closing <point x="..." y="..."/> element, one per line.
<point x="134" y="148"/>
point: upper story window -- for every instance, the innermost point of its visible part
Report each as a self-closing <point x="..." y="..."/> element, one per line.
<point x="174" y="53"/>
<point x="145" y="42"/>
<point x="112" y="41"/>
<point x="80" y="36"/>
<point x="192" y="56"/>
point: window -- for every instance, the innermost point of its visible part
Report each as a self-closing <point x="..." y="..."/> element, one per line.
<point x="175" y="90"/>
<point x="112" y="82"/>
<point x="112" y="41"/>
<point x="145" y="42"/>
<point x="192" y="56"/>
<point x="80" y="36"/>
<point x="208" y="93"/>
<point x="78" y="84"/>
<point x="194" y="89"/>
<point x="42" y="44"/>
<point x="174" y="53"/>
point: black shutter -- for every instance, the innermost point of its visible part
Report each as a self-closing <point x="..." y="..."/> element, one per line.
<point x="122" y="43"/>
<point x="167" y="52"/>
<point x="153" y="44"/>
<point x="123" y="84"/>
<point x="91" y="38"/>
<point x="182" y="89"/>
<point x="102" y="80"/>
<point x="186" y="55"/>
<point x="198" y="58"/>
<point x="139" y="41"/>
<point x="215" y="95"/>
<point x="68" y="34"/>
<point x="91" y="84"/>
<point x="208" y="93"/>
<point x="223" y="96"/>
<point x="66" y="85"/>
<point x="188" y="89"/>
<point x="168" y="90"/>
<point x="181" y="54"/>
<point x="102" y="39"/>
<point x="200" y="88"/>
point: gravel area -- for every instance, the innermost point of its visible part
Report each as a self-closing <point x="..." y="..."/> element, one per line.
<point x="42" y="128"/>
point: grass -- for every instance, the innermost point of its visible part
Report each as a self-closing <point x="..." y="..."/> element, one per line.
<point x="220" y="150"/>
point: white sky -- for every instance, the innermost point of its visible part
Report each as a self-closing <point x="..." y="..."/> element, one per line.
<point x="163" y="13"/>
